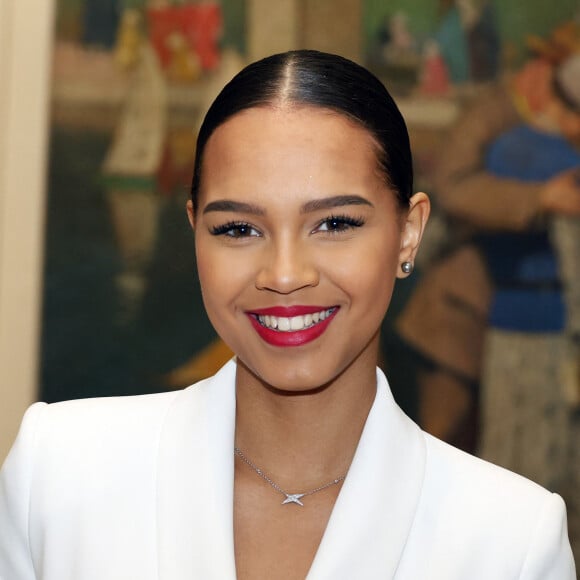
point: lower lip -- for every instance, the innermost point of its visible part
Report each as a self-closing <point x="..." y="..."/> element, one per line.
<point x="292" y="338"/>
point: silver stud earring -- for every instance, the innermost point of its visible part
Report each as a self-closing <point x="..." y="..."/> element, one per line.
<point x="407" y="267"/>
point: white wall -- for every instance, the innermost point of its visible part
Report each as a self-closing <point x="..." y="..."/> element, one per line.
<point x="26" y="28"/>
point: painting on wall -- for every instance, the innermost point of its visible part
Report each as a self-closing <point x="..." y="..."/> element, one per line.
<point x="491" y="94"/>
<point x="436" y="57"/>
<point x="122" y="307"/>
<point x="123" y="311"/>
<point x="438" y="47"/>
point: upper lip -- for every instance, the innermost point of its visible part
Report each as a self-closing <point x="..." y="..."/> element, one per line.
<point x="288" y="311"/>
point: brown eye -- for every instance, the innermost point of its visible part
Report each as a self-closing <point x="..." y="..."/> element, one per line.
<point x="235" y="230"/>
<point x="337" y="224"/>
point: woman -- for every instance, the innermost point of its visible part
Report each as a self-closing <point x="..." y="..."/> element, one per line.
<point x="293" y="460"/>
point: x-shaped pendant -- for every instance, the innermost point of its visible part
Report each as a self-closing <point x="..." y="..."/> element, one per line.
<point x="293" y="498"/>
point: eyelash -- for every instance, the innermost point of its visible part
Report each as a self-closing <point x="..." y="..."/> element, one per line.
<point x="335" y="225"/>
<point x="234" y="229"/>
<point x="341" y="223"/>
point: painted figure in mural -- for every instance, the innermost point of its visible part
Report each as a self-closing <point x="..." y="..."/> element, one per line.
<point x="468" y="40"/>
<point x="434" y="78"/>
<point x="398" y="44"/>
<point x="508" y="172"/>
<point x="471" y="195"/>
<point x="527" y="424"/>
<point x="293" y="461"/>
<point x="396" y="51"/>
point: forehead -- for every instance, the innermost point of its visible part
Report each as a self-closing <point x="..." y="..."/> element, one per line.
<point x="290" y="150"/>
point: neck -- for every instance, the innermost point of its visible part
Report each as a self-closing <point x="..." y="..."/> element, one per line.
<point x="304" y="439"/>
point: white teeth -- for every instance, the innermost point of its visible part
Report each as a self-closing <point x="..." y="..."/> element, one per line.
<point x="295" y="323"/>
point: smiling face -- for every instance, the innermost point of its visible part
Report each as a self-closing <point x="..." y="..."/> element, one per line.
<point x="298" y="241"/>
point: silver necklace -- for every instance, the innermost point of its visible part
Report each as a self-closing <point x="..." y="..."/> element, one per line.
<point x="289" y="497"/>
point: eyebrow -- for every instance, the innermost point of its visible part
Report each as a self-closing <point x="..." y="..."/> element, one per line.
<point x="234" y="206"/>
<point x="308" y="207"/>
<point x="335" y="201"/>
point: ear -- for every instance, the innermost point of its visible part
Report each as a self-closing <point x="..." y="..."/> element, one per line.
<point x="190" y="214"/>
<point x="413" y="228"/>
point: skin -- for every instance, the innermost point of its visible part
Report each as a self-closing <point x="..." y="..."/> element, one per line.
<point x="310" y="400"/>
<point x="561" y="194"/>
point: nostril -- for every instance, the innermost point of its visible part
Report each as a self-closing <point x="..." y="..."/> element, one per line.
<point x="287" y="272"/>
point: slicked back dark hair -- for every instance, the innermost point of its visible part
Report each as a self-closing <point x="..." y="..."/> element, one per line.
<point x="317" y="79"/>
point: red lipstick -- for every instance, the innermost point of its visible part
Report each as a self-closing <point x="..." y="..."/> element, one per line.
<point x="293" y="337"/>
<point x="289" y="311"/>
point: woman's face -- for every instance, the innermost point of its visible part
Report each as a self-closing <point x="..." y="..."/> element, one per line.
<point x="298" y="243"/>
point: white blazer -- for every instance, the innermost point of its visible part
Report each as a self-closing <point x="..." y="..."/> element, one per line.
<point x="141" y="488"/>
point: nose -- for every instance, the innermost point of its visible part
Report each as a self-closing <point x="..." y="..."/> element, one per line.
<point x="287" y="267"/>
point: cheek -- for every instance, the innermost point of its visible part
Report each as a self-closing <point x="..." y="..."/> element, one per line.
<point x="368" y="273"/>
<point x="375" y="285"/>
<point x="226" y="277"/>
<point x="217" y="273"/>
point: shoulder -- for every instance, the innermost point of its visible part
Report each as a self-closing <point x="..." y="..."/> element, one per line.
<point x="469" y="487"/>
<point x="94" y="421"/>
<point x="447" y="466"/>
<point x="486" y="510"/>
<point x="87" y="469"/>
<point x="65" y="442"/>
<point x="109" y="426"/>
<point x="89" y="434"/>
<point x="62" y="463"/>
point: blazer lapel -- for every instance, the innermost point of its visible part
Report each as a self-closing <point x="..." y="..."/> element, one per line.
<point x="374" y="512"/>
<point x="195" y="482"/>
<point x="371" y="519"/>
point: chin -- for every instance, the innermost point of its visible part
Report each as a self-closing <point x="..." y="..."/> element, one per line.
<point x="289" y="378"/>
